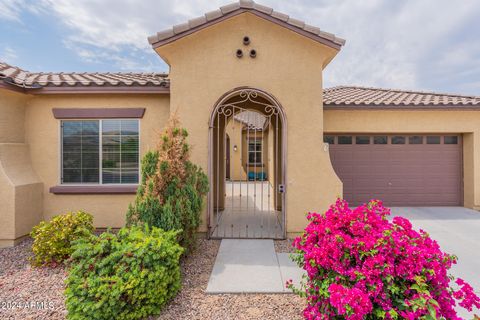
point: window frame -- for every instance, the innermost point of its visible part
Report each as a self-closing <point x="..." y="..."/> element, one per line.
<point x="255" y="141"/>
<point x="100" y="156"/>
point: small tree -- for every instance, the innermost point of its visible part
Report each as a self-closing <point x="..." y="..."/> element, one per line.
<point x="172" y="188"/>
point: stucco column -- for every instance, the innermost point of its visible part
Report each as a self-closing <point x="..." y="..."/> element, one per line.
<point x="21" y="191"/>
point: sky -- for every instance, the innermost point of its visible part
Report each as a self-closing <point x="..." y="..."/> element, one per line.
<point x="430" y="45"/>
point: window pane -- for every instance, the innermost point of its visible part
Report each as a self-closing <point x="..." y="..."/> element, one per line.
<point x="111" y="143"/>
<point x="72" y="128"/>
<point x="72" y="175"/>
<point x="380" y="139"/>
<point x="433" y="140"/>
<point x="415" y="140"/>
<point x="90" y="175"/>
<point x="72" y="160"/>
<point x="129" y="176"/>
<point x="398" y="140"/>
<point x="120" y="151"/>
<point x="111" y="127"/>
<point x="111" y="175"/>
<point x="130" y="160"/>
<point x="80" y="155"/>
<point x="345" y="140"/>
<point x="89" y="143"/>
<point x="129" y="127"/>
<point x="258" y="157"/>
<point x="72" y="143"/>
<point x="329" y="139"/>
<point x="451" y="140"/>
<point x="129" y="144"/>
<point x="362" y="139"/>
<point x="90" y="160"/>
<point x="111" y="160"/>
<point x="90" y="128"/>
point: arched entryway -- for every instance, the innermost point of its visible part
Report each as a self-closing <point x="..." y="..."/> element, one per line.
<point x="247" y="148"/>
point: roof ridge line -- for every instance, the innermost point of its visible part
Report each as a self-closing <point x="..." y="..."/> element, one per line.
<point x="228" y="10"/>
<point x="402" y="91"/>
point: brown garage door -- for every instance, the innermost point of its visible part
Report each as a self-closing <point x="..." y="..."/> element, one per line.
<point x="401" y="170"/>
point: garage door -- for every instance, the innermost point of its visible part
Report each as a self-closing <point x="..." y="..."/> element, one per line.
<point x="401" y="170"/>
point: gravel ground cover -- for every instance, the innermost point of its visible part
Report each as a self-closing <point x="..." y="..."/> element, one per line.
<point x="26" y="292"/>
<point x="193" y="303"/>
<point x="284" y="246"/>
<point x="21" y="283"/>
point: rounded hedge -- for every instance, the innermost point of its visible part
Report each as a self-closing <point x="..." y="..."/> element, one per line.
<point x="52" y="239"/>
<point x="128" y="275"/>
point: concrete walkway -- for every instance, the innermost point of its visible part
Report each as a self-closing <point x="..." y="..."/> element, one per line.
<point x="251" y="266"/>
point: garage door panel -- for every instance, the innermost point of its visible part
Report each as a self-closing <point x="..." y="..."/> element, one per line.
<point x="423" y="174"/>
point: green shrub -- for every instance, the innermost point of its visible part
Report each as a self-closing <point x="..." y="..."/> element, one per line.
<point x="52" y="239"/>
<point x="172" y="189"/>
<point x="129" y="275"/>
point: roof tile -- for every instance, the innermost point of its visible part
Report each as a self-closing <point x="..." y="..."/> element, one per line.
<point x="248" y="4"/>
<point x="280" y="16"/>
<point x="165" y="34"/>
<point x="192" y="23"/>
<point x="327" y="35"/>
<point x="312" y="29"/>
<point x="352" y="96"/>
<point x="297" y="23"/>
<point x="212" y="15"/>
<point x="230" y="7"/>
<point x="262" y="8"/>
<point x="179" y="28"/>
<point x="22" y="78"/>
<point x="245" y="5"/>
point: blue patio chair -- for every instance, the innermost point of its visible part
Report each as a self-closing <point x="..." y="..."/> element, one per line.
<point x="261" y="176"/>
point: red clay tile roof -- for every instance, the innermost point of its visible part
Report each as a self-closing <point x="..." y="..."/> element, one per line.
<point x="24" y="79"/>
<point x="365" y="97"/>
<point x="348" y="97"/>
<point x="239" y="7"/>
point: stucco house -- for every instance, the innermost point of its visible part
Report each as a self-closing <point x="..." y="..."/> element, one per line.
<point x="246" y="81"/>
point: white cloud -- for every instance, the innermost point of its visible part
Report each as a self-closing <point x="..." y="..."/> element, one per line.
<point x="10" y="10"/>
<point x="389" y="43"/>
<point x="8" y="54"/>
<point x="403" y="44"/>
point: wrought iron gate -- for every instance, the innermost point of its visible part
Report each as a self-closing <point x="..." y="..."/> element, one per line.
<point x="247" y="194"/>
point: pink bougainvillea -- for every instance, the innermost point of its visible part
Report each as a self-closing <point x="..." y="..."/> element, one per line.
<point x="359" y="265"/>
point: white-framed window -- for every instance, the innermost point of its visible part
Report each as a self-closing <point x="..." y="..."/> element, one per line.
<point x="103" y="151"/>
<point x="255" y="151"/>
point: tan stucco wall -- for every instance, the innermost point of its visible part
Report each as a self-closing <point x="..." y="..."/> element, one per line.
<point x="234" y="130"/>
<point x="42" y="135"/>
<point x="20" y="187"/>
<point x="12" y="116"/>
<point x="404" y="121"/>
<point x="203" y="67"/>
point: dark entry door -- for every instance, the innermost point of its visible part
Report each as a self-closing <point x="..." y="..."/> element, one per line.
<point x="227" y="173"/>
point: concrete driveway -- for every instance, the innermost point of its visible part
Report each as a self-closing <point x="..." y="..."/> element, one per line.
<point x="457" y="230"/>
